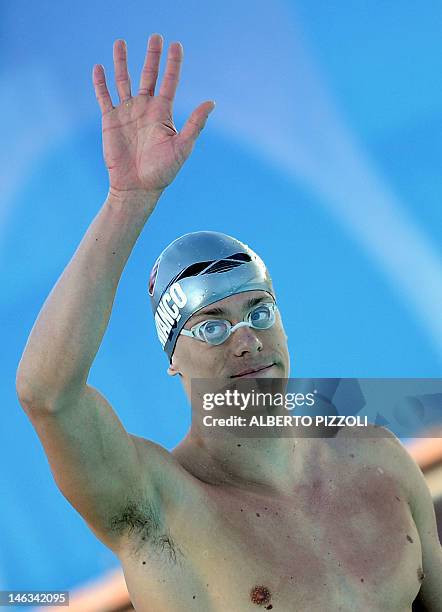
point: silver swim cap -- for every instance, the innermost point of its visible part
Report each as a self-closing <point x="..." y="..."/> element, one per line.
<point x="196" y="270"/>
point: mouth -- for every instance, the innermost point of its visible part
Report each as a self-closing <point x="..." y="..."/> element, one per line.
<point x="253" y="371"/>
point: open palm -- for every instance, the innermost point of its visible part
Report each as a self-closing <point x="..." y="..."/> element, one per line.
<point x="142" y="148"/>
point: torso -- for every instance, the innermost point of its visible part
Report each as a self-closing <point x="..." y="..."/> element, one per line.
<point x="343" y="539"/>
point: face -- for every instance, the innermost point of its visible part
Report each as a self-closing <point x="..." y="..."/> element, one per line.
<point x="245" y="349"/>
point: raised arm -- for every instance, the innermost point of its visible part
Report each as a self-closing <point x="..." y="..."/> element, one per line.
<point x="94" y="460"/>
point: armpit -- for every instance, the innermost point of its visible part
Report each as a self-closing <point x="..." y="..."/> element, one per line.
<point x="142" y="524"/>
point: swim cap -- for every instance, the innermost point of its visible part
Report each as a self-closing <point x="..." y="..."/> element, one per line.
<point x="196" y="270"/>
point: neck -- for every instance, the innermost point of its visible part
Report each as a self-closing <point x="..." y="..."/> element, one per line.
<point x="223" y="455"/>
<point x="267" y="464"/>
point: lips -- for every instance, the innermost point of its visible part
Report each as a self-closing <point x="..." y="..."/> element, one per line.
<point x="252" y="370"/>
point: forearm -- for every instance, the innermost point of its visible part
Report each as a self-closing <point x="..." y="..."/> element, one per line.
<point x="69" y="329"/>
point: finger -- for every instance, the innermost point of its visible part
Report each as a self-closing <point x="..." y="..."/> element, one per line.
<point x="193" y="126"/>
<point x="172" y="73"/>
<point x="121" y="74"/>
<point x="149" y="74"/>
<point x="101" y="90"/>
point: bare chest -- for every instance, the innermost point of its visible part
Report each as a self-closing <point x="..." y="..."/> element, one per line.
<point x="351" y="539"/>
<point x="332" y="541"/>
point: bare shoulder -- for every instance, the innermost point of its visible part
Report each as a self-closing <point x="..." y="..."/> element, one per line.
<point x="396" y="457"/>
<point x="380" y="446"/>
<point x="368" y="437"/>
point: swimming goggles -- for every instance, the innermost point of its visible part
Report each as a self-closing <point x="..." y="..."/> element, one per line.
<point x="216" y="331"/>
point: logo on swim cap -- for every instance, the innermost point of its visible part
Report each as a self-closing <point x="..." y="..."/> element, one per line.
<point x="168" y="312"/>
<point x="196" y="270"/>
<point x="153" y="276"/>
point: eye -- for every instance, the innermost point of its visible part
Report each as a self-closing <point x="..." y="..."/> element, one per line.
<point x="261" y="312"/>
<point x="214" y="329"/>
<point x="261" y="315"/>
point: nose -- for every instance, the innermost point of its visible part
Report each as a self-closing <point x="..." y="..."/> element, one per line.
<point x="245" y="340"/>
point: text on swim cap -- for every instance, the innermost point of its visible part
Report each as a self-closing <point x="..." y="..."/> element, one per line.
<point x="168" y="311"/>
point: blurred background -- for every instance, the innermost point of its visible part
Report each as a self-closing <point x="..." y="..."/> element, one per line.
<point x="324" y="154"/>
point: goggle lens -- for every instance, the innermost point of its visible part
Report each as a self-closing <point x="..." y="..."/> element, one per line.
<point x="263" y="316"/>
<point x="217" y="332"/>
<point x="214" y="332"/>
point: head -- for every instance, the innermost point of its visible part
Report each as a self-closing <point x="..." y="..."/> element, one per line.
<point x="209" y="275"/>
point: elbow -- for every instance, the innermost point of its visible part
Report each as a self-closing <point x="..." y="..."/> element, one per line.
<point x="31" y="394"/>
<point x="22" y="388"/>
<point x="36" y="397"/>
<point x="27" y="394"/>
<point x="25" y="386"/>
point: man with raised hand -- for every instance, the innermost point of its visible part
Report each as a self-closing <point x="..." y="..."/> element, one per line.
<point x="219" y="523"/>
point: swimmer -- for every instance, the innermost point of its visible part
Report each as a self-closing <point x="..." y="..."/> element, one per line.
<point x="220" y="523"/>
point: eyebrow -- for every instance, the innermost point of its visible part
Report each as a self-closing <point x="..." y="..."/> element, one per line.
<point x="221" y="311"/>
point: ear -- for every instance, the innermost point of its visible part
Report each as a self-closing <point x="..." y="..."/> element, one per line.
<point x="172" y="369"/>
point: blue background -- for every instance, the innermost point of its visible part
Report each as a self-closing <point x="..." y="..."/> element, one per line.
<point x="323" y="154"/>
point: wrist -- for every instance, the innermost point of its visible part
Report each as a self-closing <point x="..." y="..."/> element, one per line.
<point x="133" y="200"/>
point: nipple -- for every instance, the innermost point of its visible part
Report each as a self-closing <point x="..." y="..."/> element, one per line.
<point x="260" y="595"/>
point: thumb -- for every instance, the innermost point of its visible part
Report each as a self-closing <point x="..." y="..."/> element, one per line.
<point x="194" y="124"/>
